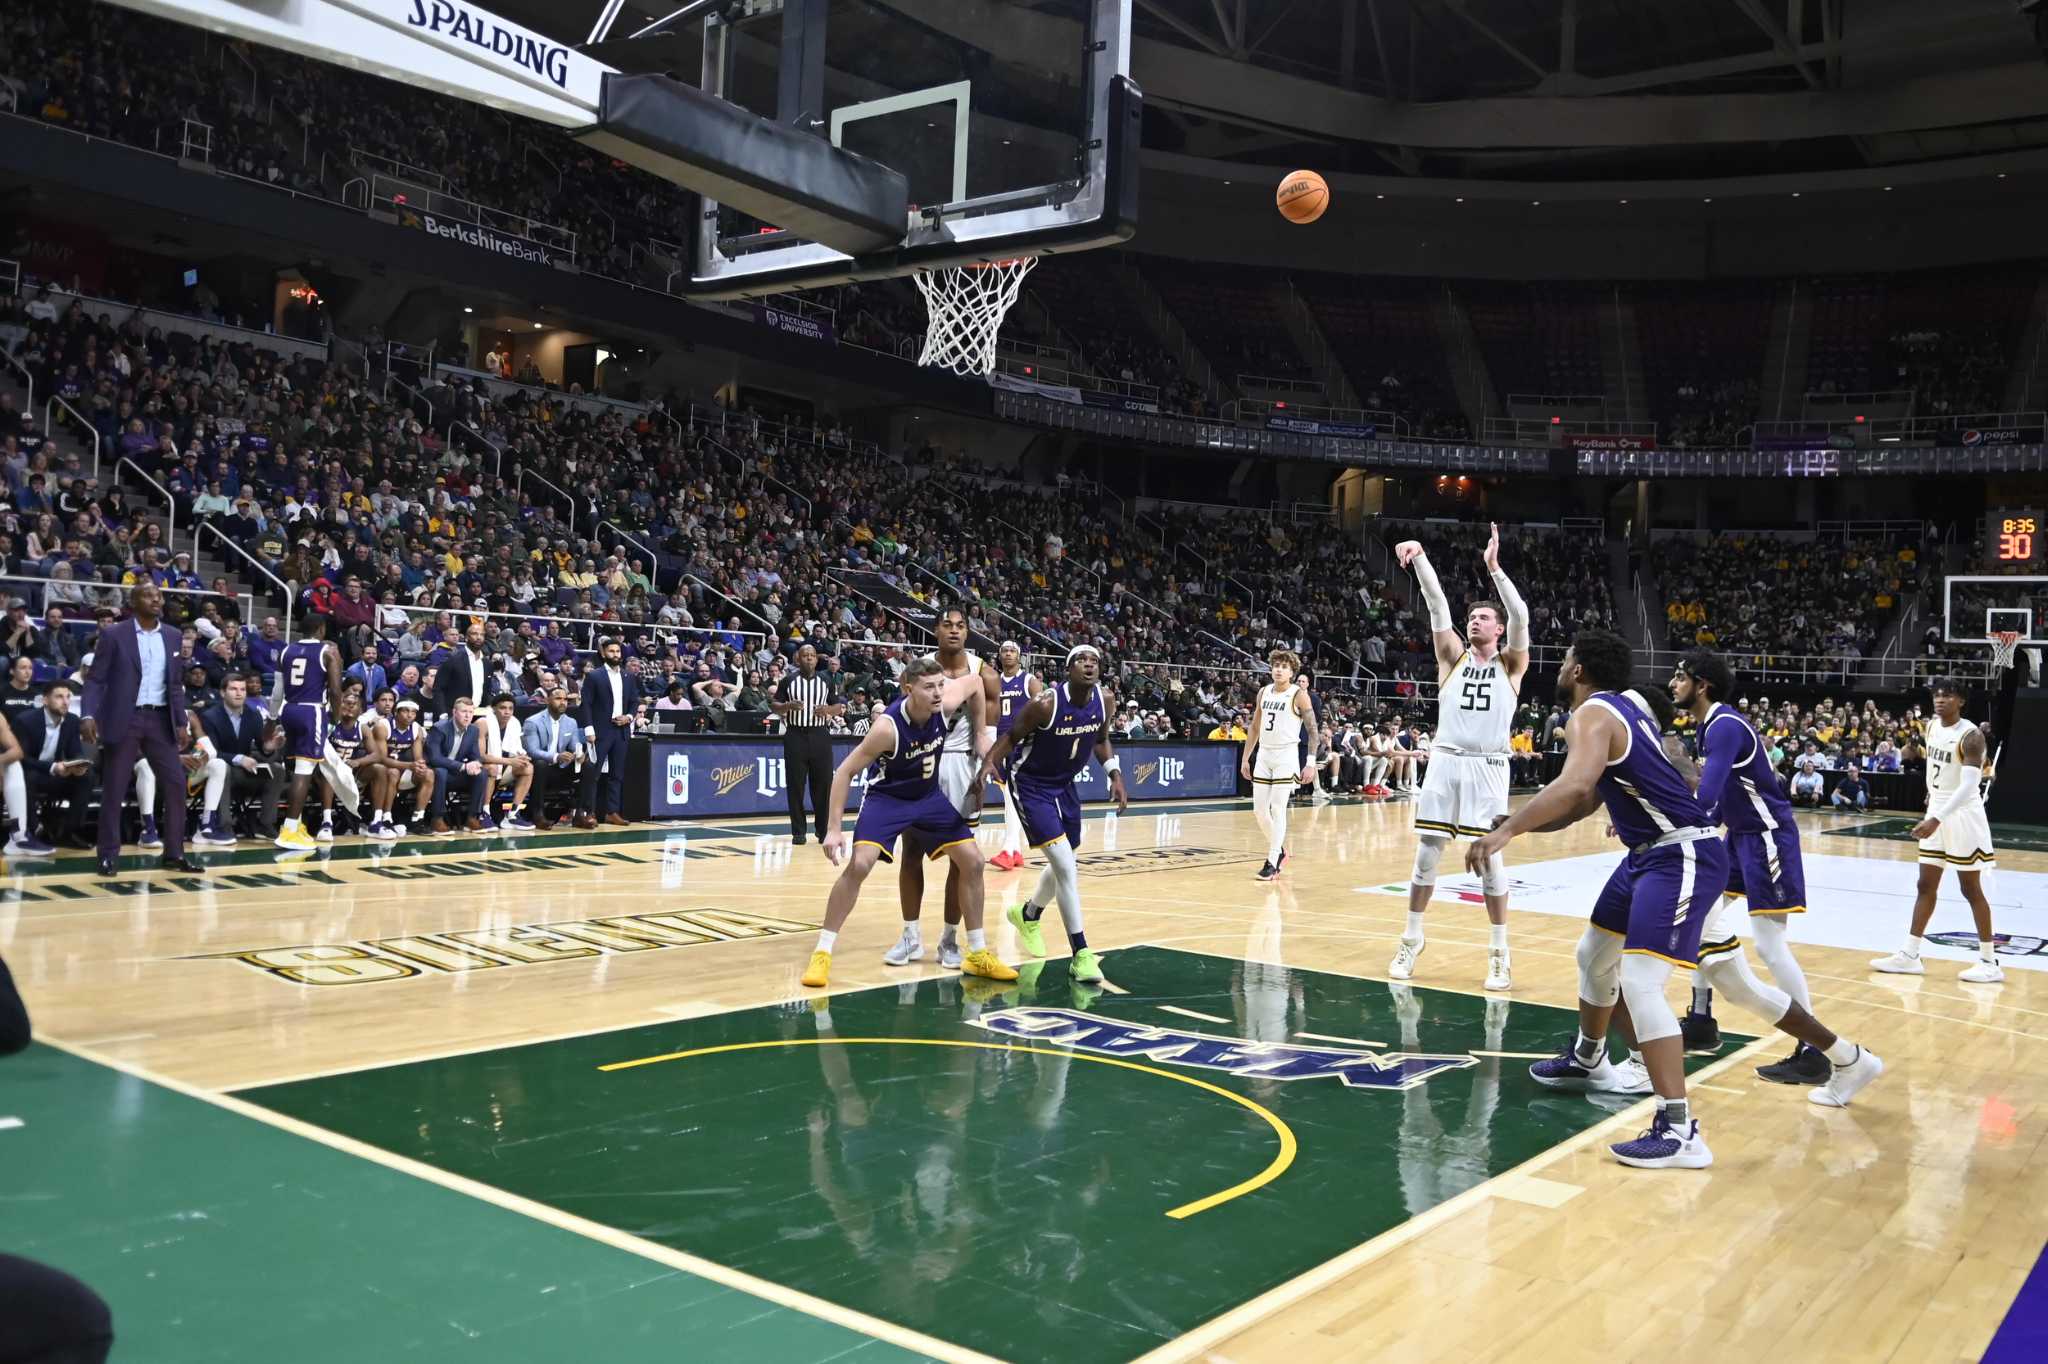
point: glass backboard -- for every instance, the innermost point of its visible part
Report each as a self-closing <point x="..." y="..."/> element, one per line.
<point x="1976" y="605"/>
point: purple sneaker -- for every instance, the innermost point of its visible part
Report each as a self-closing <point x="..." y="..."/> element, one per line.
<point x="1666" y="1147"/>
<point x="1563" y="1071"/>
<point x="28" y="845"/>
<point x="485" y="824"/>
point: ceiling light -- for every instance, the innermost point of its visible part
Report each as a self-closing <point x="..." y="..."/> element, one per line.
<point x="1624" y="201"/>
<point x="1379" y="196"/>
<point x="1887" y="189"/>
<point x="1537" y="202"/>
<point x="536" y="326"/>
<point x="2001" y="175"/>
<point x="1795" y="194"/>
<point x="1706" y="201"/>
<point x="469" y="310"/>
<point x="1461" y="198"/>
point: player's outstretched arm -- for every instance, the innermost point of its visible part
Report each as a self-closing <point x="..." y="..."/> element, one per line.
<point x="1029" y="721"/>
<point x="1450" y="645"/>
<point x="1514" y="654"/>
<point x="1575" y="794"/>
<point x="879" y="742"/>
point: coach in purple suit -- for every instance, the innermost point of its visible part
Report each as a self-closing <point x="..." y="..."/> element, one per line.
<point x="133" y="694"/>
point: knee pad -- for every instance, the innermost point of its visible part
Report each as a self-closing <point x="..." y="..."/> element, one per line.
<point x="1599" y="967"/>
<point x="1494" y="880"/>
<point x="1428" y="852"/>
<point x="1643" y="978"/>
<point x="1729" y="975"/>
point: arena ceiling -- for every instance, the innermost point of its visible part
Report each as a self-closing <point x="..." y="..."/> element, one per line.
<point x="1535" y="91"/>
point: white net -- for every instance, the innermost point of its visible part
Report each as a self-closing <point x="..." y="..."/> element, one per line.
<point x="2005" y="646"/>
<point x="965" y="305"/>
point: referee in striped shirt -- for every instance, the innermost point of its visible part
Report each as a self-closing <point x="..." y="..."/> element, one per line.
<point x="807" y="704"/>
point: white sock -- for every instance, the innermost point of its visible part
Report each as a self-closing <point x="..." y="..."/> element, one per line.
<point x="826" y="939"/>
<point x="1985" y="951"/>
<point x="977" y="939"/>
<point x="914" y="930"/>
<point x="290" y="825"/>
<point x="1498" y="937"/>
<point x="1677" y="1112"/>
<point x="1413" y="933"/>
<point x="1844" y="1051"/>
<point x="326" y="817"/>
<point x="946" y="934"/>
<point x="1635" y="1055"/>
<point x="1913" y="945"/>
<point x="1590" y="1052"/>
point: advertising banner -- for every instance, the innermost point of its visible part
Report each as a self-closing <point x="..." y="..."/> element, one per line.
<point x="1309" y="426"/>
<point x="478" y="238"/>
<point x="1582" y="441"/>
<point x="795" y="324"/>
<point x="733" y="777"/>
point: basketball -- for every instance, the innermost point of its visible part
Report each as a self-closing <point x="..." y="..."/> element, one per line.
<point x="1302" y="197"/>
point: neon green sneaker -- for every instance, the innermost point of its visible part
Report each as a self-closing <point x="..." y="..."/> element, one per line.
<point x="1086" y="968"/>
<point x="1031" y="934"/>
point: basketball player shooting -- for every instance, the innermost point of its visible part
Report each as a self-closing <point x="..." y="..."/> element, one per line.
<point x="1465" y="789"/>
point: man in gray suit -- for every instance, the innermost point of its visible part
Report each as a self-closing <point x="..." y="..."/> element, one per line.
<point x="135" y="695"/>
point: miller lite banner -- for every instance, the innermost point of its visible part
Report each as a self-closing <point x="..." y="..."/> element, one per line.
<point x="724" y="778"/>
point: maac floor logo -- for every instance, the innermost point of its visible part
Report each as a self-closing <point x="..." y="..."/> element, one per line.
<point x="1233" y="1055"/>
<point x="2005" y="944"/>
<point x="1465" y="889"/>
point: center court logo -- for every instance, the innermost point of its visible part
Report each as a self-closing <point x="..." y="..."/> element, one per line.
<point x="1232" y="1055"/>
<point x="1465" y="889"/>
<point x="679" y="778"/>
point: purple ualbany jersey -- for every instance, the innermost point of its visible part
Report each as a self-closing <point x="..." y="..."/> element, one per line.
<point x="302" y="677"/>
<point x="1738" y="786"/>
<point x="346" y="739"/>
<point x="903" y="798"/>
<point x="1015" y="694"/>
<point x="1043" y="768"/>
<point x="1658" y="899"/>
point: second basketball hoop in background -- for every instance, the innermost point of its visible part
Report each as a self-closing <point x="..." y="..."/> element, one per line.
<point x="1302" y="197"/>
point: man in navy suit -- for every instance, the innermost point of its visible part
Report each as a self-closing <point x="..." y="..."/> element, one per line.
<point x="250" y="765"/>
<point x="53" y="761"/>
<point x="611" y="698"/>
<point x="135" y="695"/>
<point x="455" y="752"/>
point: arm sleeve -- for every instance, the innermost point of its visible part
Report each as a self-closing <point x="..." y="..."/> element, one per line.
<point x="1518" y="611"/>
<point x="1432" y="593"/>
<point x="1721" y="749"/>
<point x="1966" y="790"/>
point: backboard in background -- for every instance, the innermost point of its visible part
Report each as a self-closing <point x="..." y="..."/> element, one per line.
<point x="1973" y="606"/>
<point x="1014" y="122"/>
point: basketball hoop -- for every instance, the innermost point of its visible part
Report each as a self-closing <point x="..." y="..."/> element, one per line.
<point x="2005" y="646"/>
<point x="965" y="305"/>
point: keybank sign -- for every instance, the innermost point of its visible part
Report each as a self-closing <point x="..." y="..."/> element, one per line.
<point x="549" y="61"/>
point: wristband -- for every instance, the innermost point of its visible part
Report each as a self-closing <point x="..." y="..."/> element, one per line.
<point x="1113" y="763"/>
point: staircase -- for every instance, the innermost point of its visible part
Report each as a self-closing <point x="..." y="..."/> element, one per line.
<point x="1785" y="354"/>
<point x="1621" y="359"/>
<point x="1167" y="330"/>
<point x="1476" y="395"/>
<point x="1308" y="338"/>
<point x="2027" y="388"/>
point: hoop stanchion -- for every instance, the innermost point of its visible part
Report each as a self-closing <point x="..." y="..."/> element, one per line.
<point x="965" y="306"/>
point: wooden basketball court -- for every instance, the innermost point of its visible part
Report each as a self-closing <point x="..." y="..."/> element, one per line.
<point x="562" y="1096"/>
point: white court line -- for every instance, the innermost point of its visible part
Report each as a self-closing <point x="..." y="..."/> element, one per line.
<point x="1516" y="1055"/>
<point x="9" y="1124"/>
<point x="775" y="1293"/>
<point x="122" y="1037"/>
<point x="1344" y="1041"/>
<point x="1190" y="1013"/>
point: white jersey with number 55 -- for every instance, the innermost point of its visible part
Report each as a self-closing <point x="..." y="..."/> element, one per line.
<point x="1475" y="707"/>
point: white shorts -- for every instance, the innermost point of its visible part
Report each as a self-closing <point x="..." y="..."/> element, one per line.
<point x="406" y="779"/>
<point x="1963" y="842"/>
<point x="956" y="779"/>
<point x="1462" y="794"/>
<point x="1273" y="766"/>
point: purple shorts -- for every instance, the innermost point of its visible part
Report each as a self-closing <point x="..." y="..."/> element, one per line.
<point x="1657" y="900"/>
<point x="1049" y="811"/>
<point x="931" y="821"/>
<point x="1764" y="868"/>
<point x="305" y="729"/>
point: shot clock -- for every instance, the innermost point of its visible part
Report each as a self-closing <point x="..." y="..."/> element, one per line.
<point x="2015" y="538"/>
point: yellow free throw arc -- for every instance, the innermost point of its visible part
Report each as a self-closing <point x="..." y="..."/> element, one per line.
<point x="1273" y="1171"/>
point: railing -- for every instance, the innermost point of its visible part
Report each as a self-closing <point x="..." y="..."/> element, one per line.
<point x="1928" y="430"/>
<point x="171" y="526"/>
<point x="86" y="595"/>
<point x="1034" y="352"/>
<point x="591" y="628"/>
<point x="1850" y="530"/>
<point x="10" y="273"/>
<point x="743" y="610"/>
<point x="497" y="450"/>
<point x="1542" y="430"/>
<point x="1060" y="376"/>
<point x="653" y="559"/>
<point x="1279" y="383"/>
<point x="29" y="403"/>
<point x="1643" y="613"/>
<point x="195" y="141"/>
<point x="378" y="163"/>
<point x="519" y="489"/>
<point x="1267" y="411"/>
<point x="49" y="428"/>
<point x="988" y="606"/>
<point x="1858" y="402"/>
<point x="285" y="589"/>
<point x="1559" y="402"/>
<point x="392" y="193"/>
<point x="384" y="393"/>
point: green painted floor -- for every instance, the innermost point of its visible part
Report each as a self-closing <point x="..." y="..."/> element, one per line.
<point x="1011" y="1201"/>
<point x="2018" y="837"/>
<point x="215" y="1237"/>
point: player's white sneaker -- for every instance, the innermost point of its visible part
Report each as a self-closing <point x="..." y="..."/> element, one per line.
<point x="1848" y="1081"/>
<point x="949" y="952"/>
<point x="326" y="834"/>
<point x="1402" y="967"/>
<point x="1498" y="974"/>
<point x="1983" y="973"/>
<point x="908" y="948"/>
<point x="1900" y="964"/>
<point x="1630" y="1077"/>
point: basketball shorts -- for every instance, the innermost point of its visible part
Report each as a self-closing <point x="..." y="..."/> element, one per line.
<point x="956" y="779"/>
<point x="1462" y="795"/>
<point x="305" y="729"/>
<point x="1963" y="842"/>
<point x="1764" y="868"/>
<point x="931" y="823"/>
<point x="407" y="779"/>
<point x="1049" y="811"/>
<point x="1659" y="899"/>
<point x="1274" y="766"/>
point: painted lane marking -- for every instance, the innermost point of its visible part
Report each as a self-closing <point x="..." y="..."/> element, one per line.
<point x="1190" y="1013"/>
<point x="1278" y="1167"/>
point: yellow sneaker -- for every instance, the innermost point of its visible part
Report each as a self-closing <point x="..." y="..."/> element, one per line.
<point x="819" y="973"/>
<point x="982" y="962"/>
<point x="295" y="839"/>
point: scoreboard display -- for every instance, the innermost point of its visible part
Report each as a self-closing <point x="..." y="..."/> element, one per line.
<point x="2015" y="538"/>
